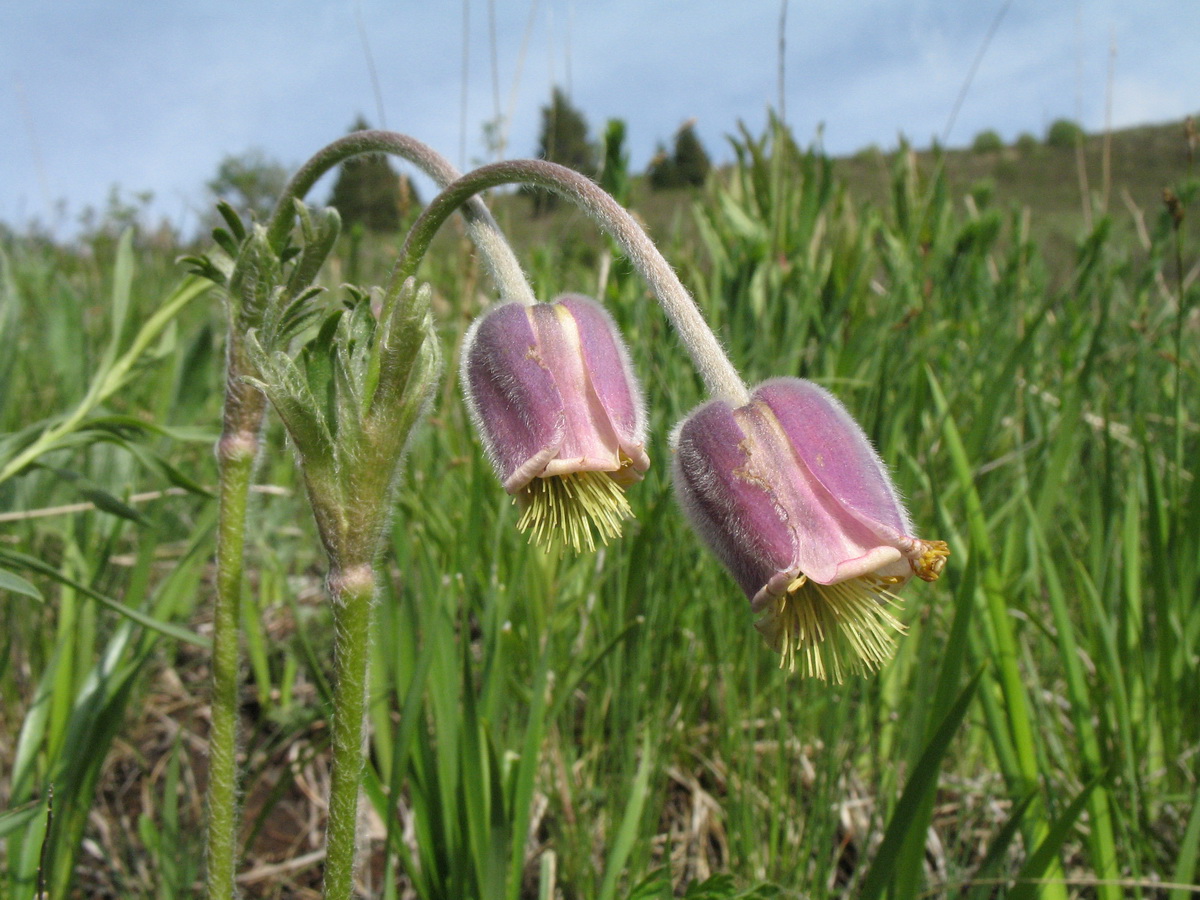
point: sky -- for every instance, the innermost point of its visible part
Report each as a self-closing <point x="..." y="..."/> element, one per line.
<point x="146" y="96"/>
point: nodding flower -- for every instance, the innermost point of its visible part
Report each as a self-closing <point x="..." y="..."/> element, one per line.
<point x="790" y="495"/>
<point x="552" y="393"/>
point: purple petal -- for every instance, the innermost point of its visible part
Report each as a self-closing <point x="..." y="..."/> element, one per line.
<point x="740" y="518"/>
<point x="788" y="485"/>
<point x="551" y="391"/>
<point x="830" y="543"/>
<point x="512" y="395"/>
<point x="611" y="375"/>
<point x="837" y="453"/>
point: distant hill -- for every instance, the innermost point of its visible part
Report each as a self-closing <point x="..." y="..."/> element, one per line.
<point x="1142" y="161"/>
<point x="1124" y="171"/>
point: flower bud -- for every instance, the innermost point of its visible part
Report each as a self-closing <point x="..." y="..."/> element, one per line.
<point x="789" y="494"/>
<point x="552" y="393"/>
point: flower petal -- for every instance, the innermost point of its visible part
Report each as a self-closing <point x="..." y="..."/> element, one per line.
<point x="611" y="376"/>
<point x="551" y="390"/>
<point x="830" y="542"/>
<point x="589" y="442"/>
<point x="836" y="451"/>
<point x="739" y="517"/>
<point x="789" y="486"/>
<point x="512" y="395"/>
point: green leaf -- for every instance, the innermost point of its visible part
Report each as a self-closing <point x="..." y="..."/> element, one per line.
<point x="226" y="242"/>
<point x="203" y="267"/>
<point x="254" y="281"/>
<point x="1185" y="860"/>
<point x="1028" y="881"/>
<point x="172" y="473"/>
<point x="302" y="414"/>
<point x="320" y="236"/>
<point x="13" y="820"/>
<point x="13" y="583"/>
<point x="997" y="849"/>
<point x="54" y="431"/>
<point x="910" y="865"/>
<point x="106" y="502"/>
<point x="316" y="358"/>
<point x="119" y="424"/>
<point x="525" y="778"/>
<point x="233" y="220"/>
<point x="12" y="557"/>
<point x="618" y="854"/>
<point x="921" y="782"/>
<point x="122" y="286"/>
<point x="96" y="495"/>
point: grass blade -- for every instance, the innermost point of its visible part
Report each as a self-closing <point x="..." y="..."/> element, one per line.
<point x="921" y="785"/>
<point x="618" y="855"/>
<point x="1189" y="850"/>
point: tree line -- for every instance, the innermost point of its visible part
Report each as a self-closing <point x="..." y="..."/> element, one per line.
<point x="370" y="194"/>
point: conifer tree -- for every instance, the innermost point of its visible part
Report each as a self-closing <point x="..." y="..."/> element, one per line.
<point x="369" y="192"/>
<point x="661" y="171"/>
<point x="614" y="165"/>
<point x="564" y="140"/>
<point x="691" y="159"/>
<point x="687" y="165"/>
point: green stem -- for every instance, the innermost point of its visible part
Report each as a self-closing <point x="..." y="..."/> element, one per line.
<point x="352" y="590"/>
<point x="1180" y="408"/>
<point x="243" y="415"/>
<point x="498" y="256"/>
<point x="719" y="375"/>
<point x="235" y="451"/>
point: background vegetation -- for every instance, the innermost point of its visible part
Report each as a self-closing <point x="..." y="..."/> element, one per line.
<point x="611" y="725"/>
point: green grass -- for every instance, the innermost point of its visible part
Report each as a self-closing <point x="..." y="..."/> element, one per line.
<point x="1065" y="191"/>
<point x="611" y="725"/>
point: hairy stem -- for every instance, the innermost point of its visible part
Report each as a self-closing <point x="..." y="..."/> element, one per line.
<point x="235" y="451"/>
<point x="485" y="233"/>
<point x="719" y="375"/>
<point x="352" y="590"/>
<point x="243" y="415"/>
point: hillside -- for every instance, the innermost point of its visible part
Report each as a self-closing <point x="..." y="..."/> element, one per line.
<point x="1124" y="172"/>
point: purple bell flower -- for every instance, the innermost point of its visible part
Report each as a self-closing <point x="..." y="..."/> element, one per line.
<point x="789" y="494"/>
<point x="551" y="391"/>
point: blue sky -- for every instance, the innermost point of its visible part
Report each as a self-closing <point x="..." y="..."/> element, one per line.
<point x="149" y="96"/>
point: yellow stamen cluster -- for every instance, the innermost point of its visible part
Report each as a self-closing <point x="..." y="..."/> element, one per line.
<point x="831" y="630"/>
<point x="931" y="560"/>
<point x="564" y="510"/>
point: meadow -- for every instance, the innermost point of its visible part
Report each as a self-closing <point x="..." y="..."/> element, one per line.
<point x="610" y="725"/>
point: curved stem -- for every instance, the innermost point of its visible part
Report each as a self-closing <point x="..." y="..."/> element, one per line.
<point x="353" y="590"/>
<point x="719" y="375"/>
<point x="498" y="256"/>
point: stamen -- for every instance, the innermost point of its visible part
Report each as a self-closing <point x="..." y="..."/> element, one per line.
<point x="831" y="630"/>
<point x="929" y="559"/>
<point x="563" y="510"/>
